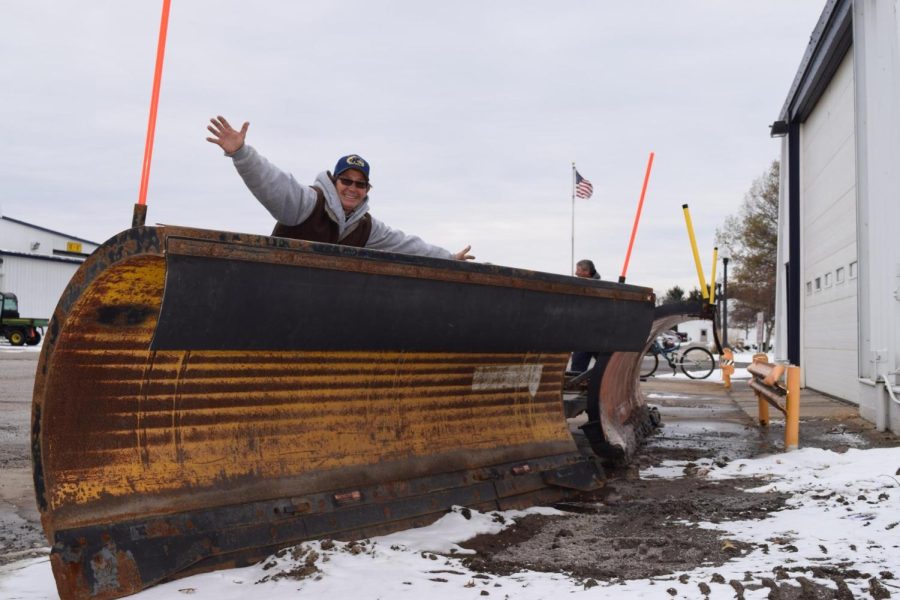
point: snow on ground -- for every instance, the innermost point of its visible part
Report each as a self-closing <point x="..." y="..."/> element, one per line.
<point x="844" y="511"/>
<point x="657" y="396"/>
<point x="664" y="371"/>
<point x="7" y="347"/>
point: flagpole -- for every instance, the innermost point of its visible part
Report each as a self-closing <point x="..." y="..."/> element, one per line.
<point x="572" y="257"/>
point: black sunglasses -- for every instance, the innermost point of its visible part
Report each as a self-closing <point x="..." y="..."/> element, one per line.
<point x="348" y="182"/>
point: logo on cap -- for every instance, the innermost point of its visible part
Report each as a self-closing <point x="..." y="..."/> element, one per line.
<point x="356" y="161"/>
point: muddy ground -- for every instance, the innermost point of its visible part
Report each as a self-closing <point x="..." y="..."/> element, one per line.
<point x="643" y="528"/>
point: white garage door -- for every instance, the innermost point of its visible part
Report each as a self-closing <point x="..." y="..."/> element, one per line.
<point x="828" y="238"/>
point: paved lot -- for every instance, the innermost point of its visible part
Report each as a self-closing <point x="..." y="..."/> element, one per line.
<point x="706" y="410"/>
<point x="20" y="529"/>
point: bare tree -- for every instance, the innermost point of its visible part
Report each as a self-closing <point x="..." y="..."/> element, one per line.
<point x="751" y="237"/>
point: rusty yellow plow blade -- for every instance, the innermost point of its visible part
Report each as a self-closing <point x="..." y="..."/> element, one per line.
<point x="204" y="398"/>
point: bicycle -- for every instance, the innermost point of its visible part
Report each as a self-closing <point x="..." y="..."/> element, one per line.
<point x="695" y="362"/>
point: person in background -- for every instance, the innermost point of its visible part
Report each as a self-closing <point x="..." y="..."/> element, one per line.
<point x="583" y="268"/>
<point x="334" y="209"/>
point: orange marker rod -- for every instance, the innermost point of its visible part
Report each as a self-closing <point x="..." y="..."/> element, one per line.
<point x="637" y="218"/>
<point x="154" y="102"/>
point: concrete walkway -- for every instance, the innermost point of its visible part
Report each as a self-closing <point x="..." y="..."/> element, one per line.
<point x="706" y="414"/>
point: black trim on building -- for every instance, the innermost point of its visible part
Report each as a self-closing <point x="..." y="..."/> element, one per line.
<point x="828" y="44"/>
<point x="81" y="255"/>
<point x="793" y="270"/>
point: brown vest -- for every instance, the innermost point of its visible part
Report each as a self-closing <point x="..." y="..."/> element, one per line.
<point x="319" y="227"/>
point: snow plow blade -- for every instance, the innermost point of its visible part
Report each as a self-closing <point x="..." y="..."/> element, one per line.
<point x="619" y="417"/>
<point x="205" y="398"/>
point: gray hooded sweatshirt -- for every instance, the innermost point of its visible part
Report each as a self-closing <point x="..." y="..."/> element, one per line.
<point x="291" y="203"/>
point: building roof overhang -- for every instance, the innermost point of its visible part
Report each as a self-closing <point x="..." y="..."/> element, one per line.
<point x="44" y="229"/>
<point x="828" y="44"/>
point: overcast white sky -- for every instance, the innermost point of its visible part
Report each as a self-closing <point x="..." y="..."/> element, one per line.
<point x="471" y="114"/>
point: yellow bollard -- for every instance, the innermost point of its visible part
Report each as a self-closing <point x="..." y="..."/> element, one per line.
<point x="762" y="403"/>
<point x="727" y="362"/>
<point x="792" y="409"/>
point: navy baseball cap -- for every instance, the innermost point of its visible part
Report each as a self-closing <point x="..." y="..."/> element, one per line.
<point x="352" y="161"/>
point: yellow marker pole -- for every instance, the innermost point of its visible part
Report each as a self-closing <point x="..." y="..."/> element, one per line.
<point x="712" y="277"/>
<point x="762" y="403"/>
<point x="792" y="409"/>
<point x="690" y="228"/>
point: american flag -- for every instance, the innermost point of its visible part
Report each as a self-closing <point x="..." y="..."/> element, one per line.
<point x="583" y="187"/>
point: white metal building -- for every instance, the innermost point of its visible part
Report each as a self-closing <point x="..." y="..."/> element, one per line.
<point x="701" y="331"/>
<point x="36" y="264"/>
<point x="838" y="297"/>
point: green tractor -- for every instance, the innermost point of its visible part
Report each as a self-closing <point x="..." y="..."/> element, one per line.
<point x="16" y="329"/>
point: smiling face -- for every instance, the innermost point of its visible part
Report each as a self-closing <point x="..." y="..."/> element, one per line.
<point x="352" y="188"/>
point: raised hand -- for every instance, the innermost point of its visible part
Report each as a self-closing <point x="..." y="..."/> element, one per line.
<point x="464" y="254"/>
<point x="227" y="137"/>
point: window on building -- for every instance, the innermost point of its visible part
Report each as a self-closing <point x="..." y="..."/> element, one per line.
<point x="818" y="284"/>
<point x="853" y="270"/>
<point x="828" y="279"/>
<point x="839" y="275"/>
<point x="808" y="288"/>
